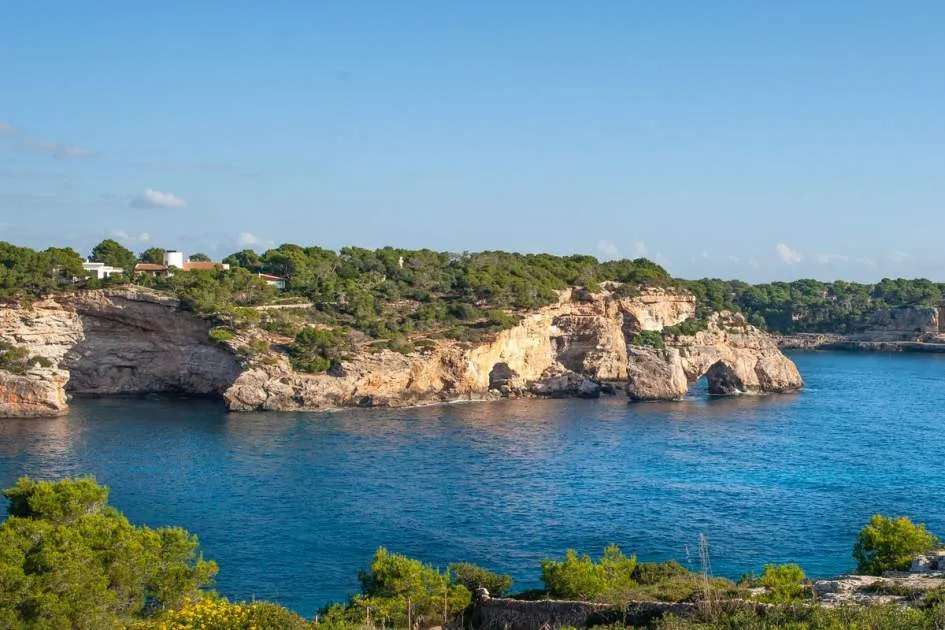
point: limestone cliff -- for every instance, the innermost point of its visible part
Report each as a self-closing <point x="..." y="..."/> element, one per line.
<point x="566" y="349"/>
<point x="906" y="328"/>
<point x="133" y="341"/>
<point x="735" y="358"/>
<point x="109" y="342"/>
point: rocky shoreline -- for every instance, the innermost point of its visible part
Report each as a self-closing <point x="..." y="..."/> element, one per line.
<point x="133" y="341"/>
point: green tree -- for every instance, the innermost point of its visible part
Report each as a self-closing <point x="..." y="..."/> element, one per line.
<point x="784" y="583"/>
<point x="113" y="253"/>
<point x="317" y="349"/>
<point x="407" y="592"/>
<point x="152" y="255"/>
<point x="890" y="544"/>
<point x="199" y="257"/>
<point x="473" y="577"/>
<point x="579" y="577"/>
<point x="69" y="560"/>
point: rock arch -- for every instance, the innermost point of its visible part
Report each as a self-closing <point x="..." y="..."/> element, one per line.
<point x="723" y="380"/>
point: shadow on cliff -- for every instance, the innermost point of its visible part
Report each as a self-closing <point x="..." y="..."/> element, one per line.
<point x="135" y="346"/>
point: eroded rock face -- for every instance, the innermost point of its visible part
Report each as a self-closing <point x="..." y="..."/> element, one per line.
<point x="39" y="393"/>
<point x="110" y="342"/>
<point x="735" y="358"/>
<point x="656" y="374"/>
<point x="133" y="341"/>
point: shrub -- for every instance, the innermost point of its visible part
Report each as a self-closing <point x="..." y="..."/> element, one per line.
<point x="213" y="613"/>
<point x="784" y="583"/>
<point x="220" y="334"/>
<point x="649" y="338"/>
<point x="405" y="592"/>
<point x="890" y="544"/>
<point x="579" y="577"/>
<point x="318" y="349"/>
<point x="17" y="360"/>
<point x="68" y="560"/>
<point x="653" y="572"/>
<point x="473" y="577"/>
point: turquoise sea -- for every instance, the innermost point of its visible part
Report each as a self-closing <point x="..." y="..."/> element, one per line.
<point x="292" y="505"/>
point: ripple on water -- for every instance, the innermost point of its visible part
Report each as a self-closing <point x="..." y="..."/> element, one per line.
<point x="292" y="505"/>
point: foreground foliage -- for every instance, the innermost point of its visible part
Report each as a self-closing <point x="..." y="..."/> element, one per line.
<point x="890" y="544"/>
<point x="401" y="592"/>
<point x="212" y="613"/>
<point x="69" y="560"/>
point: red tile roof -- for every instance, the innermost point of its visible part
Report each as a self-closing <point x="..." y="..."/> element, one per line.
<point x="149" y="267"/>
<point x="201" y="265"/>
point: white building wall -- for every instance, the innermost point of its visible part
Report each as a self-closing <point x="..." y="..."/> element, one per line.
<point x="174" y="259"/>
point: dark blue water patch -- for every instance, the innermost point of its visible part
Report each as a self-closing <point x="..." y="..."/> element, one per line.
<point x="293" y="505"/>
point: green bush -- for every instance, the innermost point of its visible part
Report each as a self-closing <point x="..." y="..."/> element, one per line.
<point x="579" y="577"/>
<point x="68" y="560"/>
<point x="17" y="360"/>
<point x="890" y="544"/>
<point x="654" y="573"/>
<point x="649" y="338"/>
<point x="318" y="349"/>
<point x="220" y="334"/>
<point x="403" y="592"/>
<point x="473" y="577"/>
<point x="784" y="583"/>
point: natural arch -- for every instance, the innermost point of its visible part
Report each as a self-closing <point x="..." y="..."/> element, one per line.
<point x="723" y="381"/>
<point x="501" y="376"/>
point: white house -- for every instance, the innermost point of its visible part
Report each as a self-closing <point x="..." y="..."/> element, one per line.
<point x="100" y="270"/>
<point x="274" y="281"/>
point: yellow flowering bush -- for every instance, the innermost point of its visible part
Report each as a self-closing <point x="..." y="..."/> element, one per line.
<point x="212" y="613"/>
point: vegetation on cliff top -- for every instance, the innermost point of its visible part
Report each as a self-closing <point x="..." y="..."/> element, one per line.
<point x="394" y="298"/>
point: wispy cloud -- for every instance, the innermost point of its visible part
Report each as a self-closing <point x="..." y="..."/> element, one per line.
<point x="787" y="255"/>
<point x="638" y="249"/>
<point x="827" y="259"/>
<point x="59" y="151"/>
<point x="898" y="257"/>
<point x="607" y="250"/>
<point x="122" y="235"/>
<point x="151" y="198"/>
<point x="248" y="239"/>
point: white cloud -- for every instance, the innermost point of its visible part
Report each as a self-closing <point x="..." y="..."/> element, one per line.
<point x="607" y="250"/>
<point x="639" y="249"/>
<point x="898" y="257"/>
<point x="826" y="259"/>
<point x="29" y="143"/>
<point x="156" y="199"/>
<point x="247" y="239"/>
<point x="787" y="255"/>
<point x="865" y="260"/>
<point x="122" y="235"/>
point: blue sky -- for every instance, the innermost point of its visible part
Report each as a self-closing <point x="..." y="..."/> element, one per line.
<point x="760" y="140"/>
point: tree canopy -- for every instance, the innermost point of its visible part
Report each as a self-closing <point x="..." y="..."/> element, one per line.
<point x="69" y="560"/>
<point x="114" y="254"/>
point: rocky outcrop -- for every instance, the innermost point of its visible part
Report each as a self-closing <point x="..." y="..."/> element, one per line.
<point x="133" y="341"/>
<point x="733" y="356"/>
<point x="901" y="329"/>
<point x="37" y="393"/>
<point x="110" y="342"/>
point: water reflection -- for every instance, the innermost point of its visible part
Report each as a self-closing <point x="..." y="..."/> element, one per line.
<point x="292" y="505"/>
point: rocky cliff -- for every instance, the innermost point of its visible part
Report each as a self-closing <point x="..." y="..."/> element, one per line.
<point x="733" y="356"/>
<point x="133" y="341"/>
<point x="109" y="342"/>
<point x="908" y="328"/>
